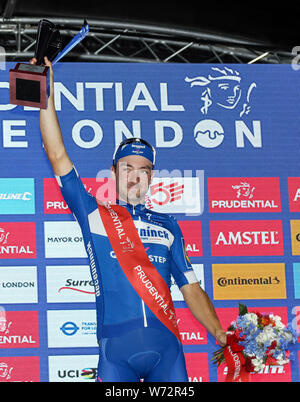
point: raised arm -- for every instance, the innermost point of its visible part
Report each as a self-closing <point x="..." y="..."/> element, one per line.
<point x="51" y="132"/>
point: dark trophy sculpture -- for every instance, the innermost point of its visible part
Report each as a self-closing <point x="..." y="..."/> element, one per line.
<point x="28" y="83"/>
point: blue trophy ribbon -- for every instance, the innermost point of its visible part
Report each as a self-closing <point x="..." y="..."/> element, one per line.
<point x="77" y="39"/>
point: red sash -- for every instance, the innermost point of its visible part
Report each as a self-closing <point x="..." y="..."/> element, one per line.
<point x="134" y="261"/>
<point x="235" y="360"/>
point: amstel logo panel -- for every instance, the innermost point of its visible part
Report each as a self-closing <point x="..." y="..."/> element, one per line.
<point x="249" y="281"/>
<point x="250" y="194"/>
<point x="246" y="238"/>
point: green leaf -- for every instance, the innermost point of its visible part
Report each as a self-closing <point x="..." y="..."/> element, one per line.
<point x="242" y="309"/>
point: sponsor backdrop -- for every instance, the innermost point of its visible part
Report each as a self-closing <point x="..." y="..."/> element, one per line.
<point x="227" y="140"/>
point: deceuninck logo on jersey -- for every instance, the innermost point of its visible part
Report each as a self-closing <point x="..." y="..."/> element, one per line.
<point x="244" y="194"/>
<point x="249" y="281"/>
<point x="251" y="237"/>
<point x="17" y="240"/>
<point x="17" y="196"/>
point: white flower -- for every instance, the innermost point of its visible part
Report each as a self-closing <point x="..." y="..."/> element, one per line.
<point x="252" y="317"/>
<point x="258" y="364"/>
<point x="277" y="320"/>
<point x="266" y="335"/>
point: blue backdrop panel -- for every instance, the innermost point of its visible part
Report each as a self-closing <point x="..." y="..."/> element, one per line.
<point x="233" y="121"/>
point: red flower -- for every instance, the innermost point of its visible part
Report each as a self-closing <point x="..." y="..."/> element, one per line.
<point x="248" y="364"/>
<point x="232" y="341"/>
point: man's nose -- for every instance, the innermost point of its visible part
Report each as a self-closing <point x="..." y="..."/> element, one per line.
<point x="134" y="176"/>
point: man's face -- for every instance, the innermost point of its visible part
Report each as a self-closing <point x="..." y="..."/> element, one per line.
<point x="133" y="176"/>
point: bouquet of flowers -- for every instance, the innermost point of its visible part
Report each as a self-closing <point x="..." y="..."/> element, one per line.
<point x="255" y="340"/>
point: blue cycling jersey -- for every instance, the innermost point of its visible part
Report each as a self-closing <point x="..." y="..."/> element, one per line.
<point x="119" y="308"/>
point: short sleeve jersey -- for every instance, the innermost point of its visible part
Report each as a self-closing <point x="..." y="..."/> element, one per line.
<point x="119" y="308"/>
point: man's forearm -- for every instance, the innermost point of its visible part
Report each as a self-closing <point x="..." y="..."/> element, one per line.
<point x="51" y="134"/>
<point x="203" y="310"/>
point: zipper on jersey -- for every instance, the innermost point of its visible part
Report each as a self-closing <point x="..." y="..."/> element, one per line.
<point x="144" y="313"/>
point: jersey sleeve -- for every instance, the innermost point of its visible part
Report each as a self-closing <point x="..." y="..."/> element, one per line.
<point x="182" y="270"/>
<point x="75" y="194"/>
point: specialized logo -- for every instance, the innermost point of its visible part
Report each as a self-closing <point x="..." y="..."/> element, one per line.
<point x="237" y="238"/>
<point x="17" y="240"/>
<point x="294" y="193"/>
<point x="251" y="194"/>
<point x="249" y="281"/>
<point x="17" y="196"/>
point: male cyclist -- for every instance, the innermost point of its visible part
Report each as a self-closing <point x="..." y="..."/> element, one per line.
<point x="136" y="324"/>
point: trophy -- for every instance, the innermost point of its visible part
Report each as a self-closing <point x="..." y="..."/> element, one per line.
<point x="29" y="83"/>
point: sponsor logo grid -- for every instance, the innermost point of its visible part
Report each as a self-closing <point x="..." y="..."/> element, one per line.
<point x="244" y="244"/>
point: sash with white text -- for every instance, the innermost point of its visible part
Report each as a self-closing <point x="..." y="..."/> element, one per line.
<point x="134" y="261"/>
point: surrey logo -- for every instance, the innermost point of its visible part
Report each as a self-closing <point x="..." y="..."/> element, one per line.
<point x="223" y="87"/>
